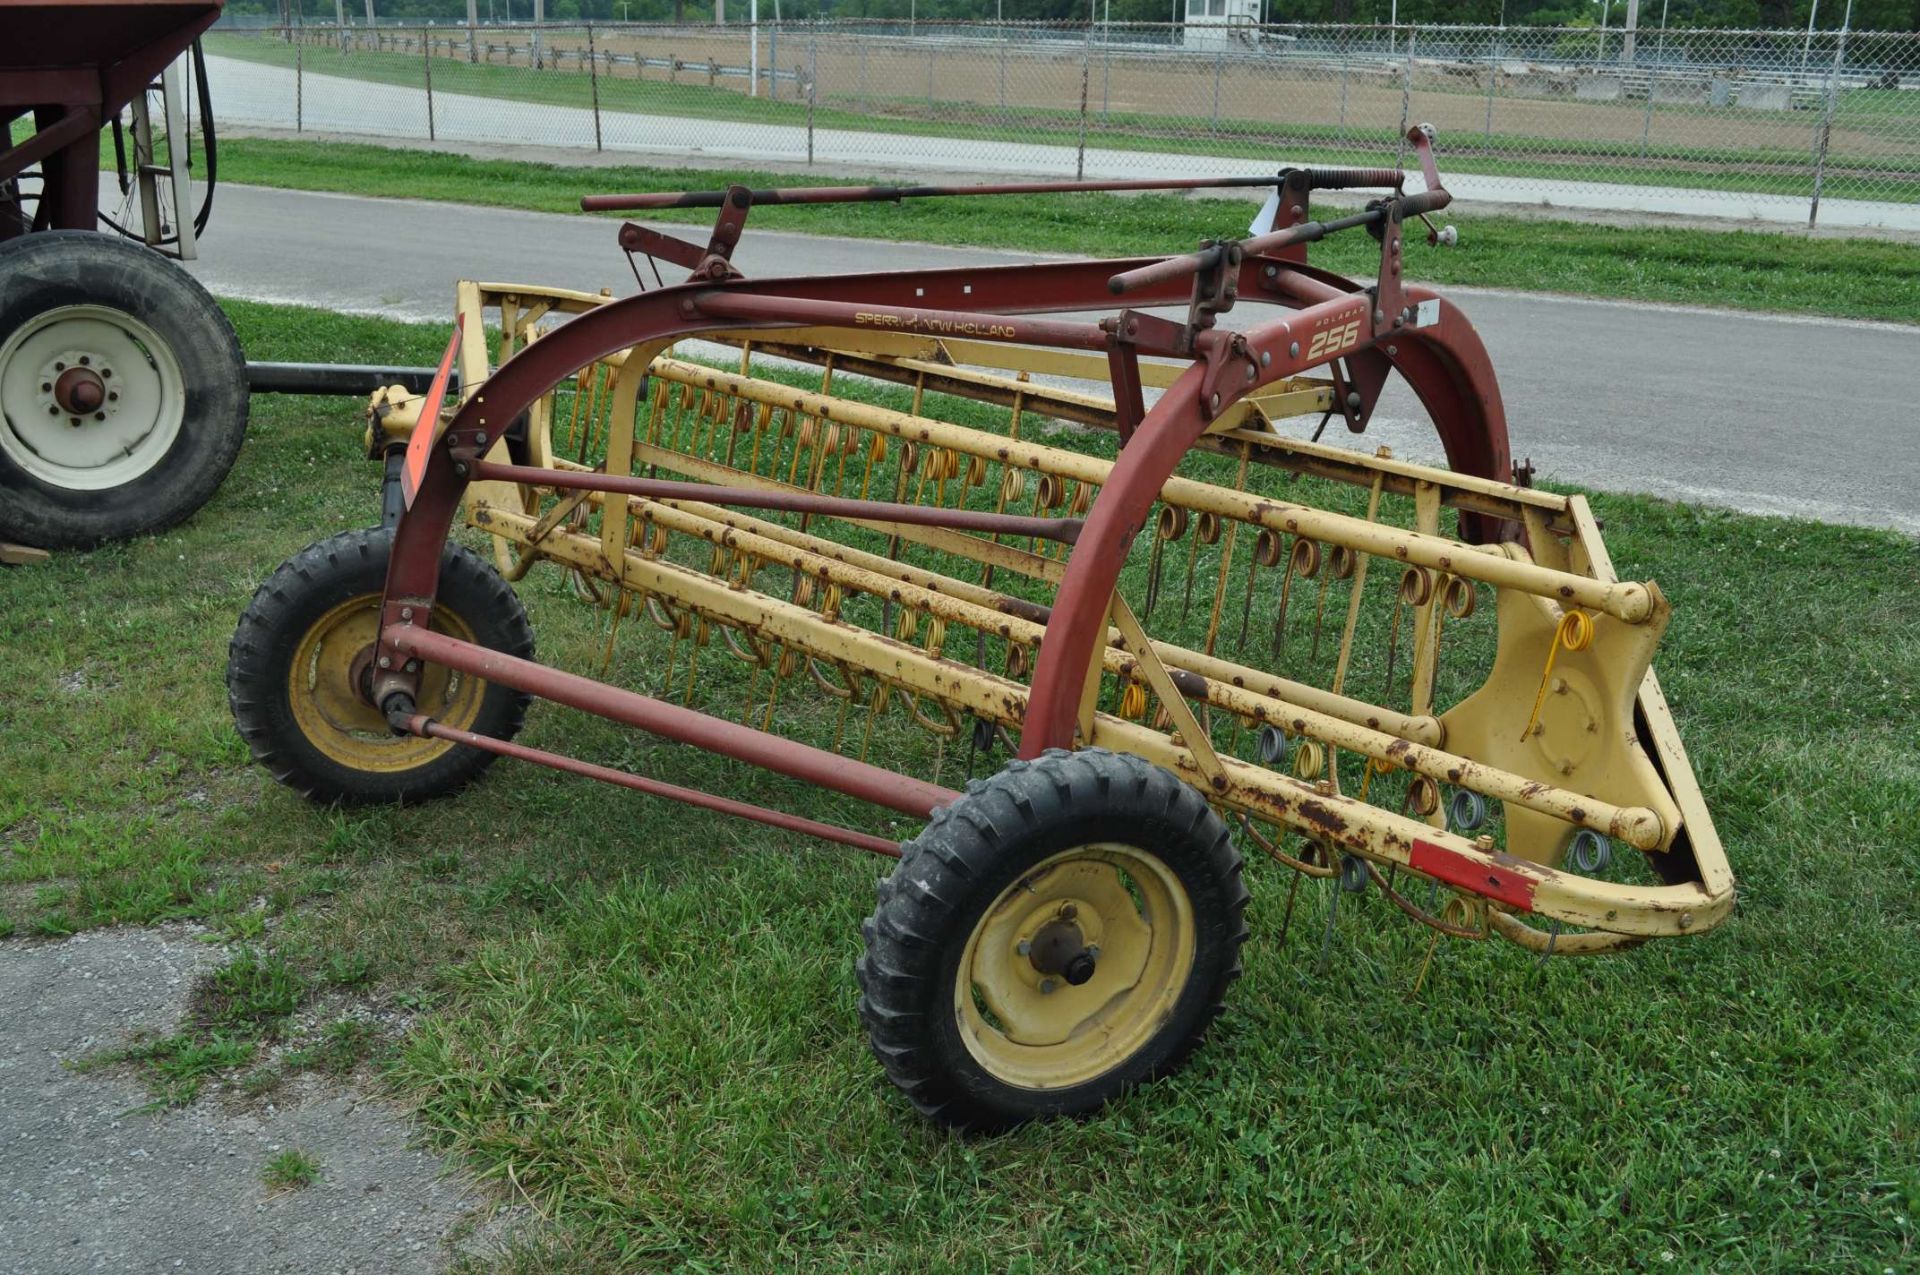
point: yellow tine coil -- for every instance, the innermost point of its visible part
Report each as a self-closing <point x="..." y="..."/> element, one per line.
<point x="1574" y="633"/>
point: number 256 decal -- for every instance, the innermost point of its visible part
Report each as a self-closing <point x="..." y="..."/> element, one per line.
<point x="1329" y="341"/>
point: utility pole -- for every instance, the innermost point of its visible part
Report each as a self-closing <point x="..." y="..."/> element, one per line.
<point x="1633" y="24"/>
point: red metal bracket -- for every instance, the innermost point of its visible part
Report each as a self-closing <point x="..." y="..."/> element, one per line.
<point x="426" y="430"/>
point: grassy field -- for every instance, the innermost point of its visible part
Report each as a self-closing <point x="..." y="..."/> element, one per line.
<point x="642" y="1019"/>
<point x="1855" y="278"/>
<point x="1593" y="144"/>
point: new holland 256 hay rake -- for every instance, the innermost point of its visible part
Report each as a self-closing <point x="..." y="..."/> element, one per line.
<point x="990" y="566"/>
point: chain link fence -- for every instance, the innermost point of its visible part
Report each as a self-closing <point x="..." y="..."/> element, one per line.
<point x="1718" y="123"/>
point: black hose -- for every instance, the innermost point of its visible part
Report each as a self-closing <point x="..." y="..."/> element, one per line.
<point x="210" y="149"/>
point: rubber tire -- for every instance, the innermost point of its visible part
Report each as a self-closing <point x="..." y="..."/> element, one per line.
<point x="54" y="268"/>
<point x="968" y="855"/>
<point x="305" y="588"/>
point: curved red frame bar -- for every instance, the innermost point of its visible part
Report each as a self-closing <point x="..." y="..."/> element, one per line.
<point x="1443" y="360"/>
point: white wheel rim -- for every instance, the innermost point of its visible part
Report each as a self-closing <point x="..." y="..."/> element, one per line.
<point x="142" y="404"/>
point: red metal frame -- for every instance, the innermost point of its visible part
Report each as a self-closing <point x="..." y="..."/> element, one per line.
<point x="71" y="65"/>
<point x="1408" y="329"/>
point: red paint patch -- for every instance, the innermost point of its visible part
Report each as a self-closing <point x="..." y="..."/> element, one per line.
<point x="1472" y="872"/>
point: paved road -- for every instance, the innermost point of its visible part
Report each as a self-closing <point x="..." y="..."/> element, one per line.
<point x="260" y="95"/>
<point x="1809" y="417"/>
<point x="90" y="1182"/>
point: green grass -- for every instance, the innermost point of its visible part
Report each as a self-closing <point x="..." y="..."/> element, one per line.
<point x="643" y="1017"/>
<point x="1856" y="278"/>
<point x="290" y="1170"/>
<point x="1775" y="170"/>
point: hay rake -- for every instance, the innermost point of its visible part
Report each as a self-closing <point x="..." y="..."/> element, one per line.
<point x="901" y="517"/>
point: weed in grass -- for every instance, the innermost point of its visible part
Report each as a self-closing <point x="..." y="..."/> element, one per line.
<point x="346" y="969"/>
<point x="290" y="1171"/>
<point x="176" y="1065"/>
<point x="254" y="990"/>
<point x="340" y="1048"/>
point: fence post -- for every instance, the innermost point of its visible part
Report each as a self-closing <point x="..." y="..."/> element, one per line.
<point x="426" y="59"/>
<point x="813" y="85"/>
<point x="1003" y="72"/>
<point x="1825" y="131"/>
<point x="1218" y="57"/>
<point x="299" y="88"/>
<point x="1106" y="73"/>
<point x="1086" y="71"/>
<point x="1406" y="99"/>
<point x="773" y="62"/>
<point x="593" y="80"/>
<point x="1346" y="69"/>
<point x="1493" y="78"/>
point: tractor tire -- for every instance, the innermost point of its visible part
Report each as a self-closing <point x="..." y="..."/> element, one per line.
<point x="1065" y="931"/>
<point x="123" y="393"/>
<point x="308" y="635"/>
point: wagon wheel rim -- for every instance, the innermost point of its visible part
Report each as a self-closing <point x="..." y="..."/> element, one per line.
<point x="322" y="690"/>
<point x="91" y="398"/>
<point x="1020" y="1016"/>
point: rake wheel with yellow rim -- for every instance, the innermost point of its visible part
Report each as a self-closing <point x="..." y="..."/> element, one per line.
<point x="298" y="662"/>
<point x="1063" y="932"/>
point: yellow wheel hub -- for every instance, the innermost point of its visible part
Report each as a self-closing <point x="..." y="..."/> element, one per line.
<point x="1118" y="907"/>
<point x="322" y="689"/>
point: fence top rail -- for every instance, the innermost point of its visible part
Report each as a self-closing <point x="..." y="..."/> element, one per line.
<point x="890" y="25"/>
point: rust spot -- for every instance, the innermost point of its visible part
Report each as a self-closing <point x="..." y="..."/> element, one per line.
<point x="1578" y="814"/>
<point x="1191" y="685"/>
<point x="1328" y="821"/>
<point x="1453" y="774"/>
<point x="1566" y="590"/>
<point x="1398" y="747"/>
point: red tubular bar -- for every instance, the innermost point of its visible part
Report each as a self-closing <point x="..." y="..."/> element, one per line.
<point x="421" y="724"/>
<point x="894" y="318"/>
<point x="669" y="721"/>
<point x="1065" y="530"/>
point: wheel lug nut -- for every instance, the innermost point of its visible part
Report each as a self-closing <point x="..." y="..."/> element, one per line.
<point x="59" y="367"/>
<point x="46" y="387"/>
<point x="1023" y="947"/>
<point x="1068" y="911"/>
<point x="84" y="360"/>
<point x="1046" y="986"/>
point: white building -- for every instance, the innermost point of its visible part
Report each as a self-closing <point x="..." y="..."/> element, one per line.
<point x="1217" y="24"/>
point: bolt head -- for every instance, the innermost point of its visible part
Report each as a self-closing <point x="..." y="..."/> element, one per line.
<point x="1068" y="911"/>
<point x="386" y="662"/>
<point x="1023" y="947"/>
<point x="1293" y="350"/>
<point x="1047" y="985"/>
<point x="1266" y="358"/>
